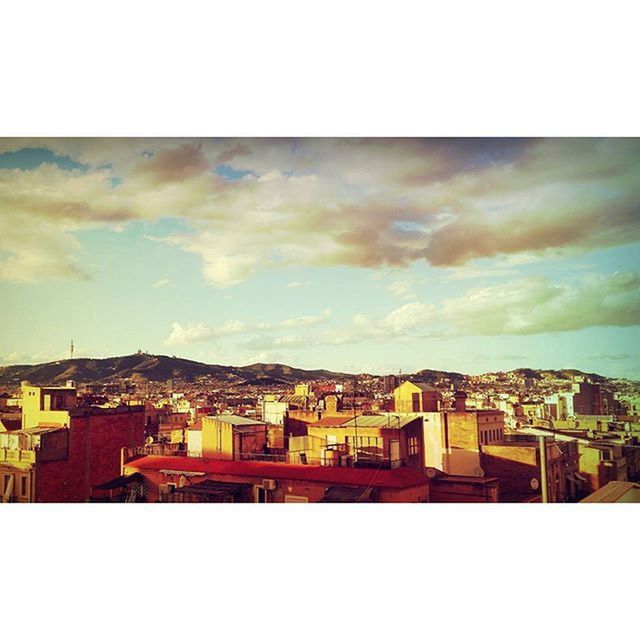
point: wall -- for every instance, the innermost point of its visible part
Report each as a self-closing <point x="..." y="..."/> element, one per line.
<point x="95" y="443"/>
<point x="473" y="491"/>
<point x="217" y="439"/>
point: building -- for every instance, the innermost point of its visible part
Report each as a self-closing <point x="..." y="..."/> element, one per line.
<point x="390" y="383"/>
<point x="601" y="459"/>
<point x="454" y="439"/>
<point x="274" y="411"/>
<point x="43" y="406"/>
<point x="184" y="479"/>
<point x="444" y="488"/>
<point x="416" y="397"/>
<point x="517" y="463"/>
<point x="592" y="400"/>
<point x="559" y="406"/>
<point x="379" y="441"/>
<point x="231" y="437"/>
<point x="50" y="462"/>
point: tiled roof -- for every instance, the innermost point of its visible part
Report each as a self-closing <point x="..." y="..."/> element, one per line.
<point x="385" y="478"/>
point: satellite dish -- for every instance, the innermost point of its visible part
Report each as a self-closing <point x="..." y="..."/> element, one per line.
<point x="535" y="484"/>
<point x="479" y="472"/>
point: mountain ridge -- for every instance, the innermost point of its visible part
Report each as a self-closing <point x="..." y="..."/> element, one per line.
<point x="160" y="368"/>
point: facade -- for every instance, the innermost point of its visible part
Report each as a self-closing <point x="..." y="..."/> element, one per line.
<point x="517" y="464"/>
<point x="559" y="406"/>
<point x="47" y="406"/>
<point x="454" y="439"/>
<point x="591" y="399"/>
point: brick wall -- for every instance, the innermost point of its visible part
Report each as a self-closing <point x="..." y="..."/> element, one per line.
<point x="95" y="442"/>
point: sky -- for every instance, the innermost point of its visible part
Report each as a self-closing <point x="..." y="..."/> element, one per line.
<point x="373" y="255"/>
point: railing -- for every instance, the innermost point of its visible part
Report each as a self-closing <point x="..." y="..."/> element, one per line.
<point x="158" y="450"/>
<point x="363" y="461"/>
<point x="261" y="457"/>
<point x="17" y="455"/>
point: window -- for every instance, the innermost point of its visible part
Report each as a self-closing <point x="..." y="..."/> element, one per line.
<point x="23" y="486"/>
<point x="414" y="448"/>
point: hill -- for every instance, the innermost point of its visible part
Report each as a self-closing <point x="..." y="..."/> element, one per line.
<point x="155" y="368"/>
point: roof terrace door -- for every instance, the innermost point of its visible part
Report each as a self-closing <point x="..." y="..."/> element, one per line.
<point x="394" y="453"/>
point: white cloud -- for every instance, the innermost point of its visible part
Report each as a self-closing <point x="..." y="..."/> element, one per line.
<point x="163" y="282"/>
<point x="200" y="333"/>
<point x="536" y="305"/>
<point x="182" y="335"/>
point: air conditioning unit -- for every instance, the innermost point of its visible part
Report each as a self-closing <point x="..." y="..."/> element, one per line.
<point x="269" y="485"/>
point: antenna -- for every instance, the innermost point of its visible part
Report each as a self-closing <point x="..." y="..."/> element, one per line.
<point x="71" y="350"/>
<point x="355" y="422"/>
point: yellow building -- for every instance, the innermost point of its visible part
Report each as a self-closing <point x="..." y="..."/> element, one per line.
<point x="47" y="406"/>
<point x="231" y="437"/>
<point x="382" y="441"/>
<point x="301" y="390"/>
<point x="416" y="397"/>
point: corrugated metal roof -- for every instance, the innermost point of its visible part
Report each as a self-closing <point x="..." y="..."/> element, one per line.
<point x="330" y="421"/>
<point x="381" y="422"/>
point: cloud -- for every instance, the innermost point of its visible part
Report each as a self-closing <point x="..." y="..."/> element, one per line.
<point x="163" y="282"/>
<point x="306" y="321"/>
<point x="201" y="333"/>
<point x="528" y="306"/>
<point x="398" y="324"/>
<point x="608" y="356"/>
<point x="536" y="305"/>
<point x="322" y="202"/>
<point x="297" y="285"/>
<point x="269" y="343"/>
<point x="182" y="335"/>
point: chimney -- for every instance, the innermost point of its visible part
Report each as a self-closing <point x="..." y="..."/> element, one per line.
<point x="460" y="401"/>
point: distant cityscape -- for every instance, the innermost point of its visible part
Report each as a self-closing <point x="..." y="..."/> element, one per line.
<point x="272" y="433"/>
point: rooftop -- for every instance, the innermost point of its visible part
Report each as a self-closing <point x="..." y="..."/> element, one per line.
<point x="383" y="478"/>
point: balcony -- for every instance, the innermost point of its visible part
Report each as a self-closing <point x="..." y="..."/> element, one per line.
<point x="17" y="455"/>
<point x="364" y="460"/>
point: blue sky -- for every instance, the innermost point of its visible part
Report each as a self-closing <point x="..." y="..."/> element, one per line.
<point x="377" y="255"/>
